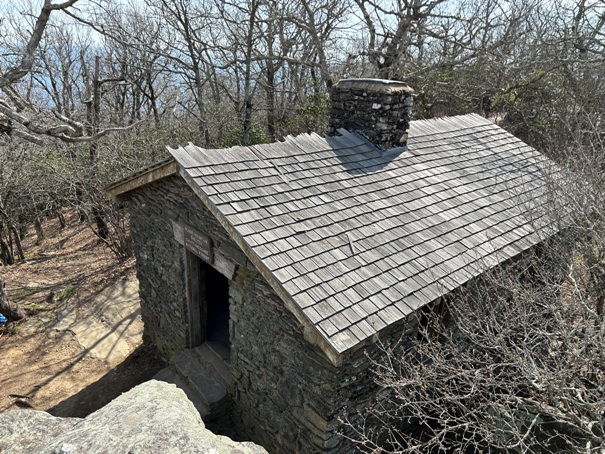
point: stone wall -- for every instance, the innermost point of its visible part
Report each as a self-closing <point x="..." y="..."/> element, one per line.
<point x="379" y="109"/>
<point x="283" y="386"/>
<point x="287" y="396"/>
<point x="160" y="265"/>
<point x="286" y="388"/>
<point x="355" y="385"/>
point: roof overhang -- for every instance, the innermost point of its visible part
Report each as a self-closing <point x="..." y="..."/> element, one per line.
<point x="120" y="189"/>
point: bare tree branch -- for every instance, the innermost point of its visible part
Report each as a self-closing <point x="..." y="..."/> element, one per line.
<point x="29" y="53"/>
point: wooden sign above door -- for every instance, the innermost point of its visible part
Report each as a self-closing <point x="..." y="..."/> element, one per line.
<point x="222" y="256"/>
<point x="199" y="244"/>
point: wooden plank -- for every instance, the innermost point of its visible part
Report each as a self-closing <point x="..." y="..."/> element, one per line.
<point x="356" y="332"/>
<point x="187" y="158"/>
<point x="328" y="328"/>
<point x="157" y="173"/>
<point x="225" y="266"/>
<point x="308" y="144"/>
<point x="194" y="293"/>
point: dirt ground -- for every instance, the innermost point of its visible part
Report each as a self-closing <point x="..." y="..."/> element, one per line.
<point x="80" y="346"/>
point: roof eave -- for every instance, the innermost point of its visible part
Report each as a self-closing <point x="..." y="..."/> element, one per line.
<point x="120" y="189"/>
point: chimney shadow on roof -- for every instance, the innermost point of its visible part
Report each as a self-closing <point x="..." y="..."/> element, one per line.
<point x="359" y="156"/>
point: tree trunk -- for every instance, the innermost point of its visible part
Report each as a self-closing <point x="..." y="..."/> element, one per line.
<point x="12" y="312"/>
<point x="270" y="95"/>
<point x="248" y="76"/>
<point x="152" y="97"/>
<point x="61" y="219"/>
<point x="93" y="115"/>
<point x="5" y="252"/>
<point x="80" y="203"/>
<point x="597" y="276"/>
<point x="94" y="119"/>
<point x="22" y="226"/>
<point x="99" y="216"/>
<point x="39" y="230"/>
<point x="17" y="240"/>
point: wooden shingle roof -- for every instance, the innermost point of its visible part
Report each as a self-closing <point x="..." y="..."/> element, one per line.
<point x="355" y="239"/>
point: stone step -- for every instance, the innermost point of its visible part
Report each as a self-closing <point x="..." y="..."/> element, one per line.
<point x="169" y="376"/>
<point x="204" y="379"/>
<point x="212" y="354"/>
<point x="220" y="349"/>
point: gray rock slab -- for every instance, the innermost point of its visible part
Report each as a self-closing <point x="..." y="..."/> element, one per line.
<point x="154" y="417"/>
<point x="26" y="431"/>
<point x="200" y="376"/>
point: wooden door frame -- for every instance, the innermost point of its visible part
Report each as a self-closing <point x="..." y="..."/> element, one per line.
<point x="195" y="293"/>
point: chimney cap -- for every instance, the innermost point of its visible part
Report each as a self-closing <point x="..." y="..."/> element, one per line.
<point x="374" y="85"/>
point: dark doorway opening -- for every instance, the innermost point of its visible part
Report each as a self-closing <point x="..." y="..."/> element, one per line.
<point x="209" y="304"/>
<point x="217" y="304"/>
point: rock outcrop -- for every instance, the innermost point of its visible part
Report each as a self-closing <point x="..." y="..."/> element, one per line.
<point x="23" y="431"/>
<point x="154" y="417"/>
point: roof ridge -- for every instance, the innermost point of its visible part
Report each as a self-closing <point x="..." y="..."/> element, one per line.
<point x="477" y="120"/>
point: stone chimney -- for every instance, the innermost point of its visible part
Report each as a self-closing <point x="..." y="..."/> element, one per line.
<point x="378" y="109"/>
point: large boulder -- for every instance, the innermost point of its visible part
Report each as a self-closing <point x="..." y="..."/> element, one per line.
<point x="154" y="417"/>
<point x="23" y="431"/>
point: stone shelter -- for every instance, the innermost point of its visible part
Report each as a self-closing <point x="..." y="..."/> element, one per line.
<point x="290" y="260"/>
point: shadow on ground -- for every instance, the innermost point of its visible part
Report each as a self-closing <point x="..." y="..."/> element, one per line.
<point x="140" y="366"/>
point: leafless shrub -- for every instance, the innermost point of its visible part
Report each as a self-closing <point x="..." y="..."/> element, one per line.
<point x="516" y="363"/>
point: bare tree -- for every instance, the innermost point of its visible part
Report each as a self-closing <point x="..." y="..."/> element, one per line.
<point x="20" y="116"/>
<point x="518" y="367"/>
